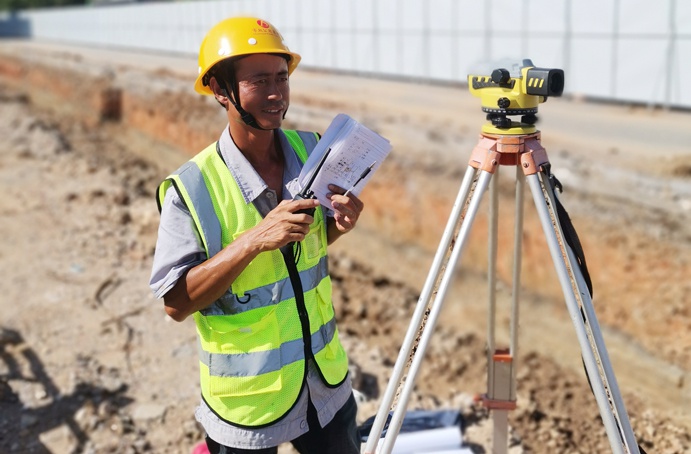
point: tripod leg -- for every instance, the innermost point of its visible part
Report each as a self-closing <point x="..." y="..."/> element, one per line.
<point x="598" y="346"/>
<point x="500" y="415"/>
<point x="463" y="234"/>
<point x="517" y="262"/>
<point x="420" y="309"/>
<point x="569" y="275"/>
<point x="500" y="431"/>
<point x="492" y="272"/>
<point x="500" y="421"/>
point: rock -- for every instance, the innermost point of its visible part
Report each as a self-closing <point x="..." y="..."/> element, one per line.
<point x="58" y="440"/>
<point x="146" y="412"/>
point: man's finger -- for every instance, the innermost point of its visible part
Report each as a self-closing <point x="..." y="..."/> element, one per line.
<point x="303" y="204"/>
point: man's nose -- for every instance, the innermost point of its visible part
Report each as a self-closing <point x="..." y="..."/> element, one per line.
<point x="275" y="91"/>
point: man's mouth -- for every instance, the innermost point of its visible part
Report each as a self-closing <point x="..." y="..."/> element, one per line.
<point x="274" y="111"/>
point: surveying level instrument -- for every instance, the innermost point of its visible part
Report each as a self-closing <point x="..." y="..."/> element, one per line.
<point x="515" y="91"/>
<point x="510" y="90"/>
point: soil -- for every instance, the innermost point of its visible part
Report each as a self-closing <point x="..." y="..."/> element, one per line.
<point x="89" y="362"/>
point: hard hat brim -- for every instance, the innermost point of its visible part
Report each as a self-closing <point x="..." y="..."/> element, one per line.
<point x="200" y="88"/>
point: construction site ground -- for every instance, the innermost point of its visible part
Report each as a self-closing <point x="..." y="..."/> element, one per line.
<point x="89" y="362"/>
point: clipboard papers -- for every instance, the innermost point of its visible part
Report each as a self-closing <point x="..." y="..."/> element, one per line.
<point x="353" y="150"/>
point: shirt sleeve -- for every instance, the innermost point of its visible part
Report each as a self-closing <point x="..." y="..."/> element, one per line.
<point x="178" y="247"/>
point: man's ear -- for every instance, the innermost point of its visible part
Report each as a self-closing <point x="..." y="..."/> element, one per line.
<point x="220" y="94"/>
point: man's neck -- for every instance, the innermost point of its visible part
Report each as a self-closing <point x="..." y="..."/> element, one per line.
<point x="261" y="150"/>
<point x="258" y="146"/>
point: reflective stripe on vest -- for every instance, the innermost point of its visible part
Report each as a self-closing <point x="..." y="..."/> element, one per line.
<point x="241" y="364"/>
<point x="193" y="180"/>
<point x="189" y="178"/>
<point x="268" y="294"/>
<point x="252" y="359"/>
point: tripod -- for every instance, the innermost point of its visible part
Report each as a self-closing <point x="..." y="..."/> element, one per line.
<point x="520" y="148"/>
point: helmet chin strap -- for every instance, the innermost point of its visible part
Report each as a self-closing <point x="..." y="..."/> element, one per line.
<point x="246" y="117"/>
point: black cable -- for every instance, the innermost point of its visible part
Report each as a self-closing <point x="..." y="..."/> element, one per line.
<point x="571" y="237"/>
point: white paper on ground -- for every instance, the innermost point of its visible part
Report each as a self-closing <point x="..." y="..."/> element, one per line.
<point x="445" y="439"/>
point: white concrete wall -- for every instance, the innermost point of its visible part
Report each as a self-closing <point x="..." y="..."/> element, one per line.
<point x="622" y="50"/>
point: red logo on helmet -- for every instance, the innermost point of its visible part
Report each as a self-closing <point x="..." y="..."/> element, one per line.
<point x="262" y="24"/>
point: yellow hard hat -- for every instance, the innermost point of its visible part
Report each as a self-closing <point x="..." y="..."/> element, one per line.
<point x="240" y="36"/>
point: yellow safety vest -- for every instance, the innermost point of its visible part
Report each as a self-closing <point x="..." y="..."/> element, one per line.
<point x="255" y="339"/>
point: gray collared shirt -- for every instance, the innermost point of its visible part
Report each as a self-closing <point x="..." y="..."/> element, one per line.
<point x="179" y="248"/>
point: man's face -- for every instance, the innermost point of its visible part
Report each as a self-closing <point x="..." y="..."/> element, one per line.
<point x="263" y="88"/>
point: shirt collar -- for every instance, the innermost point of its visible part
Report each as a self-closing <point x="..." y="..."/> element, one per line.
<point x="251" y="184"/>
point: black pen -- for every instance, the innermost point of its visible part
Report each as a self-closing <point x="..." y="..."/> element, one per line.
<point x="362" y="175"/>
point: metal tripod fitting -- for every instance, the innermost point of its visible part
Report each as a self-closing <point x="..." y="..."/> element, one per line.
<point x="526" y="154"/>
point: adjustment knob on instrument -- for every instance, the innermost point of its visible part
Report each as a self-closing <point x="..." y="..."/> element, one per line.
<point x="503" y="103"/>
<point x="500" y="76"/>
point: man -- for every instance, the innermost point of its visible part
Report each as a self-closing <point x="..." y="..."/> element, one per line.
<point x="249" y="263"/>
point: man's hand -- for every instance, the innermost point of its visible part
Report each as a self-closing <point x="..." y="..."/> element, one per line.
<point x="346" y="209"/>
<point x="284" y="225"/>
<point x="206" y="282"/>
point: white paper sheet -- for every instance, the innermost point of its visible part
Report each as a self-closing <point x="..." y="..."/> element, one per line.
<point x="354" y="148"/>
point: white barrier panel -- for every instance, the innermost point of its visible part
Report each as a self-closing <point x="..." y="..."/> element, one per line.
<point x="620" y="50"/>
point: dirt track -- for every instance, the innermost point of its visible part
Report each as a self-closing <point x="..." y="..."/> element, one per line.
<point x="84" y="342"/>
